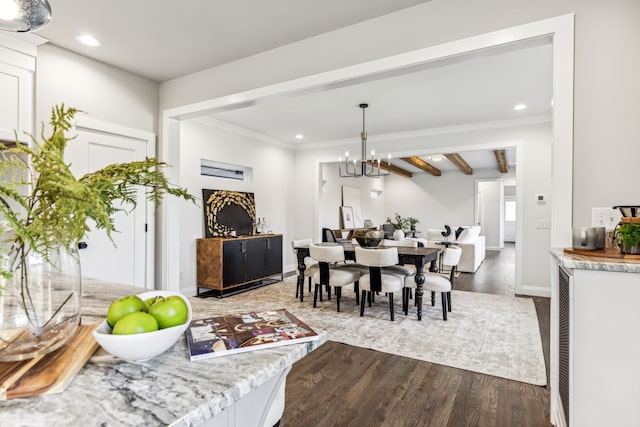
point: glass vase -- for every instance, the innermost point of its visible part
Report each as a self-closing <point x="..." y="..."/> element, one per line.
<point x="40" y="299"/>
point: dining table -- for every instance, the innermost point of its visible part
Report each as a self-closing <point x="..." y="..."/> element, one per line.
<point x="418" y="257"/>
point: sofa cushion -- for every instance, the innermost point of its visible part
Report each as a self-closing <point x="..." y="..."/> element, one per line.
<point x="469" y="234"/>
<point x="434" y="235"/>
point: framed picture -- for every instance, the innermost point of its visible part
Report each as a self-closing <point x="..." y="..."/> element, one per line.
<point x="347" y="217"/>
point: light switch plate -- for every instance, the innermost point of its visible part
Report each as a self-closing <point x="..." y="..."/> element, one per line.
<point x="605" y="217"/>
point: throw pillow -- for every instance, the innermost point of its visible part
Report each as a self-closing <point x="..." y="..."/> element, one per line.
<point x="469" y="234"/>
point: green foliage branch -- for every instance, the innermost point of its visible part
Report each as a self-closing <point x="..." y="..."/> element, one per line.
<point x="46" y="207"/>
<point x="628" y="236"/>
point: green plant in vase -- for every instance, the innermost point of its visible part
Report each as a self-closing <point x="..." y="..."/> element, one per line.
<point x="398" y="222"/>
<point x="46" y="211"/>
<point x="411" y="221"/>
<point x="627" y="235"/>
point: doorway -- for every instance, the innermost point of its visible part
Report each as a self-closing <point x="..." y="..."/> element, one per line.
<point x="127" y="257"/>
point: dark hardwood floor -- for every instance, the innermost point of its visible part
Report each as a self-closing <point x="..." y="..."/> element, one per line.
<point x="342" y="385"/>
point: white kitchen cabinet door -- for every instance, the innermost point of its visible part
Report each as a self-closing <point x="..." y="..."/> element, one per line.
<point x="16" y="102"/>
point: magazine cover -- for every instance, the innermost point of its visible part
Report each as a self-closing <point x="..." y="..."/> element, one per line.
<point x="238" y="333"/>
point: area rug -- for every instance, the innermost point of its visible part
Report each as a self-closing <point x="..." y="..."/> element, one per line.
<point x="489" y="334"/>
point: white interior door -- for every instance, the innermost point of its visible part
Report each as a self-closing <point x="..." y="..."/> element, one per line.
<point x="125" y="259"/>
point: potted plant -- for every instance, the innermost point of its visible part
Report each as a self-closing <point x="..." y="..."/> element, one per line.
<point x="411" y="221"/>
<point x="46" y="211"/>
<point x="399" y="224"/>
<point x="627" y="235"/>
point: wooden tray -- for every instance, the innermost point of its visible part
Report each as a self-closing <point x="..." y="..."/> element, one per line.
<point x="603" y="253"/>
<point x="50" y="373"/>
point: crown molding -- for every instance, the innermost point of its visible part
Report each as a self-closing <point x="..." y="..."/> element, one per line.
<point x="219" y="124"/>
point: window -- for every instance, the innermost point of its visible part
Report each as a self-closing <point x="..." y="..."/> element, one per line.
<point x="223" y="170"/>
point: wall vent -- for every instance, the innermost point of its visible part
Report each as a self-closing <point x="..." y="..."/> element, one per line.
<point x="222" y="170"/>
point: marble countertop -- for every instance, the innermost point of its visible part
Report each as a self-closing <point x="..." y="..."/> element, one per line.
<point x="166" y="390"/>
<point x="585" y="262"/>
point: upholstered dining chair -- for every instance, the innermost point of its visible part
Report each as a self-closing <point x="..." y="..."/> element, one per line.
<point x="379" y="277"/>
<point x="330" y="274"/>
<point x="401" y="243"/>
<point x="311" y="265"/>
<point x="435" y="282"/>
<point x="328" y="236"/>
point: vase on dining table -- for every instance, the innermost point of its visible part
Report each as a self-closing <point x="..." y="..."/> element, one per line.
<point x="398" y="235"/>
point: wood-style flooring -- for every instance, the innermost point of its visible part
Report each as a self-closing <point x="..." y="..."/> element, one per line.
<point x="342" y="385"/>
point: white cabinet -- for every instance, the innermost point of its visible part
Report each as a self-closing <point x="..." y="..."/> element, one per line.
<point x="17" y="81"/>
<point x="595" y="344"/>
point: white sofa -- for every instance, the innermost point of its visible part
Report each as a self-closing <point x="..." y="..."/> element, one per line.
<point x="469" y="240"/>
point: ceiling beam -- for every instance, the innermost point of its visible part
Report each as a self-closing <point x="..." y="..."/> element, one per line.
<point x="457" y="160"/>
<point x="392" y="168"/>
<point x="421" y="164"/>
<point x="501" y="157"/>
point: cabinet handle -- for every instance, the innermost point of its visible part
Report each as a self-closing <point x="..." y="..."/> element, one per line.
<point x="268" y="243"/>
<point x="244" y="247"/>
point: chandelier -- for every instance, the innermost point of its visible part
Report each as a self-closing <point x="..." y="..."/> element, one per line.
<point x="364" y="167"/>
<point x="24" y="15"/>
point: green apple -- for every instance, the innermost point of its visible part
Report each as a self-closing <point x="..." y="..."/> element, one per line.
<point x="172" y="311"/>
<point x="150" y="301"/>
<point x="123" y="306"/>
<point x="137" y="322"/>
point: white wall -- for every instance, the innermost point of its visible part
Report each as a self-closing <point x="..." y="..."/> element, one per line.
<point x="103" y="92"/>
<point x="271" y="184"/>
<point x="331" y="198"/>
<point x="491" y="203"/>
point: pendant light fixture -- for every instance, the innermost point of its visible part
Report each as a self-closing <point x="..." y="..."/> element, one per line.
<point x="356" y="168"/>
<point x="24" y="15"/>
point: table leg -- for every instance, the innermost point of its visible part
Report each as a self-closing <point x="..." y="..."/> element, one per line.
<point x="419" y="287"/>
<point x="301" y="268"/>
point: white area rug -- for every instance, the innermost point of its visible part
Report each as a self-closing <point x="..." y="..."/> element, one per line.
<point x="490" y="334"/>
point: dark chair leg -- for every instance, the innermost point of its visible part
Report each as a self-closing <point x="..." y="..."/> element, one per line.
<point x="444" y="305"/>
<point x="433" y="298"/>
<point x="328" y="293"/>
<point x="449" y="301"/>
<point x="362" y="297"/>
<point x="356" y="287"/>
<point x="405" y="300"/>
<point x="315" y="295"/>
<point x="309" y="284"/>
<point x="298" y="290"/>
<point x="338" y="295"/>
<point x="391" y="305"/>
<point x="369" y="297"/>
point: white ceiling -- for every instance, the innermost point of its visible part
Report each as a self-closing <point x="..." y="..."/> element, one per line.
<point x="165" y="39"/>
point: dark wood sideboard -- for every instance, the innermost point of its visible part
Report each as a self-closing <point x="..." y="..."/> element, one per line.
<point x="228" y="265"/>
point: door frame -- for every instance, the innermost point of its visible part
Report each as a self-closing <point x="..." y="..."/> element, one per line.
<point x="84" y="123"/>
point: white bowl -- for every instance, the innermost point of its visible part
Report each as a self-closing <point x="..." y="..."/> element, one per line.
<point x="138" y="347"/>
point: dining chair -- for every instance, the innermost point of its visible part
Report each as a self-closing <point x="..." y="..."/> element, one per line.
<point x="311" y="265"/>
<point x="328" y="236"/>
<point x="331" y="274"/>
<point x="436" y="282"/>
<point x="379" y="278"/>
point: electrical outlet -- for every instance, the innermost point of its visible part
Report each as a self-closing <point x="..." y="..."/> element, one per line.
<point x="605" y="217"/>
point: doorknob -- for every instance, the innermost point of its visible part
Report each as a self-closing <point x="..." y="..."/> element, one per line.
<point x="82" y="245"/>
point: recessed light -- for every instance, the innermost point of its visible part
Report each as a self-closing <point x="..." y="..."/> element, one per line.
<point x="299" y="136"/>
<point x="88" y="40"/>
<point x="436" y="158"/>
<point x="8" y="10"/>
<point x="520" y="107"/>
